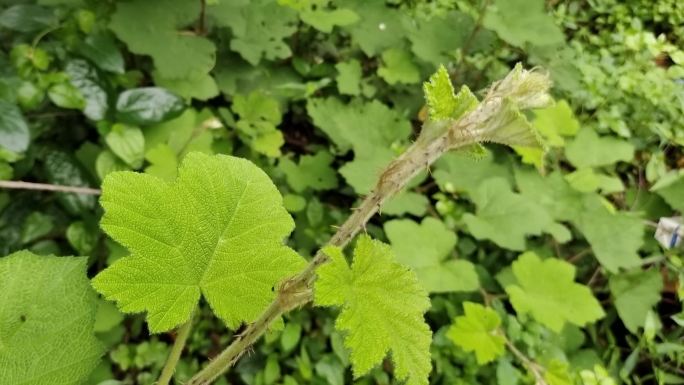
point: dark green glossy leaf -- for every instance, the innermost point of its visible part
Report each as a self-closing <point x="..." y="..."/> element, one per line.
<point x="87" y="81"/>
<point x="101" y="49"/>
<point x="27" y="18"/>
<point x="14" y="132"/>
<point x="62" y="169"/>
<point x="148" y="105"/>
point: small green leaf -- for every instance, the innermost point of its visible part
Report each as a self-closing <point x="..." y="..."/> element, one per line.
<point x="554" y="300"/>
<point x="176" y="55"/>
<point x="615" y="238"/>
<point x="81" y="237"/>
<point x="636" y="292"/>
<point x="464" y="173"/>
<point x="671" y="188"/>
<point x="478" y="331"/>
<point x="235" y="254"/>
<point x="47" y="311"/>
<point x="382" y="309"/>
<point x="440" y="98"/>
<point x="427" y="249"/>
<point x="370" y="129"/>
<point x="163" y="162"/>
<point x="590" y="150"/>
<point x="349" y="77"/>
<point x="313" y="171"/>
<point x="66" y="95"/>
<point x="556" y="122"/>
<point x="148" y="105"/>
<point x="128" y="143"/>
<point x="398" y="67"/>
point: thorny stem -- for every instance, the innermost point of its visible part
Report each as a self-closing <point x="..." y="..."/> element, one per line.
<point x="12" y="184"/>
<point x="176" y="350"/>
<point x="476" y="126"/>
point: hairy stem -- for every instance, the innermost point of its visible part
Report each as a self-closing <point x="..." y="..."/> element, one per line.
<point x="524" y="88"/>
<point x="176" y="350"/>
<point x="536" y="369"/>
<point x="12" y="184"/>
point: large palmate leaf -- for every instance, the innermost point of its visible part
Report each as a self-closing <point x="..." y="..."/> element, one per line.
<point x="426" y="248"/>
<point x="554" y="299"/>
<point x="507" y="218"/>
<point x="47" y="311"/>
<point x="217" y="232"/>
<point x="382" y="309"/>
<point x="478" y="331"/>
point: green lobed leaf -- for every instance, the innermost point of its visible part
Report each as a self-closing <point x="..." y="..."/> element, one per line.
<point x="635" y="292"/>
<point x="478" y="331"/>
<point x="555" y="299"/>
<point x="398" y="67"/>
<point x="312" y="171"/>
<point x="216" y="232"/>
<point x="175" y="55"/>
<point x="427" y="249"/>
<point x="258" y="26"/>
<point x="507" y="218"/>
<point x="47" y="312"/>
<point x="463" y="172"/>
<point x="556" y="122"/>
<point x="615" y="237"/>
<point x="588" y="149"/>
<point x="382" y="310"/>
<point x="369" y="129"/>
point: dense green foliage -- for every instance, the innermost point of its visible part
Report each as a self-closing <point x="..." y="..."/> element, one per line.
<point x="540" y="263"/>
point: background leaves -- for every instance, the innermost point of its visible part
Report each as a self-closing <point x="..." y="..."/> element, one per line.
<point x="321" y="95"/>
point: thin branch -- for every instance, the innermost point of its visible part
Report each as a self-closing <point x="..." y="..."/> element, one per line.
<point x="176" y="350"/>
<point x="536" y="369"/>
<point x="15" y="184"/>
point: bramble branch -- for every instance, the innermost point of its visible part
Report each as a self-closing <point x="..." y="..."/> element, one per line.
<point x="492" y="121"/>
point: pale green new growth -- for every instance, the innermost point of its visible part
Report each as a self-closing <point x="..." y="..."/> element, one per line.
<point x="444" y="106"/>
<point x="555" y="298"/>
<point x="441" y="100"/>
<point x="478" y="331"/>
<point x="382" y="309"/>
<point x="47" y="311"/>
<point x="427" y="248"/>
<point x="217" y="231"/>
